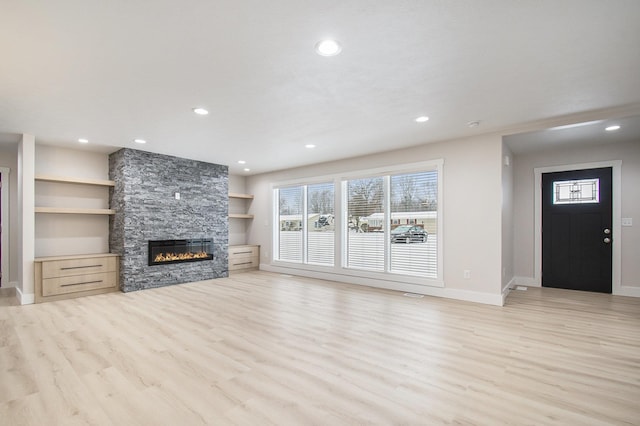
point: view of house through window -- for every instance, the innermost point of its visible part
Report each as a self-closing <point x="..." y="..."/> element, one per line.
<point x="389" y="223"/>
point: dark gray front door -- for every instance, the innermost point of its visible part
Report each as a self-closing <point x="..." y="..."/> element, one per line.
<point x="576" y="230"/>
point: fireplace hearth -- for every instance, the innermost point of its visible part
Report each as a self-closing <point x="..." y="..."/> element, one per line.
<point x="165" y="252"/>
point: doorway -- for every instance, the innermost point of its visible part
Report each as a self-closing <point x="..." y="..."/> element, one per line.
<point x="577" y="232"/>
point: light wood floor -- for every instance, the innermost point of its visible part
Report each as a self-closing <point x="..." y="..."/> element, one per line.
<point x="262" y="348"/>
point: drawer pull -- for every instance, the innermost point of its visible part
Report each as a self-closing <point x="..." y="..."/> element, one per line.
<point x="243" y="252"/>
<point x="243" y="263"/>
<point x="80" y="267"/>
<point x="86" y="282"/>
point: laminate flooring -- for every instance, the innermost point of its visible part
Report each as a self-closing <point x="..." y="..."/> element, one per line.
<point x="261" y="348"/>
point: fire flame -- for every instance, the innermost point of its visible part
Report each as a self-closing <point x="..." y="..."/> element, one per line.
<point x="168" y="257"/>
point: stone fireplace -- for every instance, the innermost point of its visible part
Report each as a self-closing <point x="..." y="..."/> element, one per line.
<point x="163" y="198"/>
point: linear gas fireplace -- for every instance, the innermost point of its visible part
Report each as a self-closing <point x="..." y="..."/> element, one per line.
<point x="164" y="252"/>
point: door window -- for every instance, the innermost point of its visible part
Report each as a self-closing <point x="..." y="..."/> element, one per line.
<point x="581" y="191"/>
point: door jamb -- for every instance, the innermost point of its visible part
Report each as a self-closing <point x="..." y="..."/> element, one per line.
<point x="616" y="205"/>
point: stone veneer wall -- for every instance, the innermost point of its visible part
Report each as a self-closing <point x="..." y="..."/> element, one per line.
<point x="146" y="209"/>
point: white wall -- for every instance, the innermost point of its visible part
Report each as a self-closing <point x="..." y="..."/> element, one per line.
<point x="524" y="235"/>
<point x="68" y="234"/>
<point x="238" y="227"/>
<point x="472" y="218"/>
<point x="507" y="218"/>
<point x="25" y="160"/>
<point x="9" y="159"/>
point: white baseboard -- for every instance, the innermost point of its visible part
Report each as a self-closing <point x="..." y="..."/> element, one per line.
<point x="526" y="281"/>
<point x="507" y="289"/>
<point x="25" y="299"/>
<point x="628" y="291"/>
<point x="449" y="293"/>
<point x="10" y="284"/>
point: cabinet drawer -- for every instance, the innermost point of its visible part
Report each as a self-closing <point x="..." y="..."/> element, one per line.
<point x="244" y="251"/>
<point x="76" y="283"/>
<point x="243" y="262"/>
<point x="71" y="267"/>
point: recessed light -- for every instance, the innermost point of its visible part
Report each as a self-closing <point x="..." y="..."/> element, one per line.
<point x="242" y="162"/>
<point x="200" y="111"/>
<point x="246" y="169"/>
<point x="139" y="141"/>
<point x="612" y="128"/>
<point x="83" y="140"/>
<point x="328" y="48"/>
<point x="309" y="145"/>
<point x="422" y="119"/>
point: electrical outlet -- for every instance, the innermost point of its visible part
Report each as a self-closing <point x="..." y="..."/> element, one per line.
<point x="627" y="221"/>
<point x="466" y="274"/>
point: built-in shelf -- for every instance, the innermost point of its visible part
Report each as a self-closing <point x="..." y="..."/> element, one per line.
<point x="244" y="196"/>
<point x="65" y="179"/>
<point x="240" y="216"/>
<point x="73" y="210"/>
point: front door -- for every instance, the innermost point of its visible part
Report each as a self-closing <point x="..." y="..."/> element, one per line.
<point x="576" y="230"/>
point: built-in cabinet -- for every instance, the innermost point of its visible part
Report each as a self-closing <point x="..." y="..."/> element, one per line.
<point x="244" y="258"/>
<point x="63" y="277"/>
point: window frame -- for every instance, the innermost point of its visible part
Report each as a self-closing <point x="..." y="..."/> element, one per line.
<point x="341" y="210"/>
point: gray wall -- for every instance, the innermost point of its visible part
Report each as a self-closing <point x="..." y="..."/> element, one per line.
<point x="148" y="210"/>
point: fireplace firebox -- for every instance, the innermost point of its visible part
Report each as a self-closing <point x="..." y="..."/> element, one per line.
<point x="164" y="252"/>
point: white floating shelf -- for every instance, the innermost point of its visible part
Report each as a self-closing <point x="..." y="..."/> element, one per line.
<point x="237" y="195"/>
<point x="64" y="179"/>
<point x="60" y="210"/>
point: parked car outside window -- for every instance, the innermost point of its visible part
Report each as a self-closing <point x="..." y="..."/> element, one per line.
<point x="408" y="234"/>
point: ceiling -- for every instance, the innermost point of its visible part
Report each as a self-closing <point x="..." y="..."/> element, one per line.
<point x="115" y="71"/>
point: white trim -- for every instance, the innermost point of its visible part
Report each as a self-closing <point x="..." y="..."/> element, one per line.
<point x="507" y="289"/>
<point x="628" y="291"/>
<point x="5" y="179"/>
<point x="616" y="203"/>
<point x="344" y="271"/>
<point x="25" y="299"/>
<point x="449" y="293"/>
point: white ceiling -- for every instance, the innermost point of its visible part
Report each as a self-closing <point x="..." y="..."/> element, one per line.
<point x="113" y="71"/>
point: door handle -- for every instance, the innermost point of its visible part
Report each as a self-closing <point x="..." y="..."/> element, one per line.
<point x="607" y="240"/>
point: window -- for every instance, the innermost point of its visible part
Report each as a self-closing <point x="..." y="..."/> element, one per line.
<point x="414" y="218"/>
<point x="576" y="191"/>
<point x="365" y="223"/>
<point x="321" y="230"/>
<point x="290" y="205"/>
<point x="306" y="220"/>
<point x="388" y="221"/>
